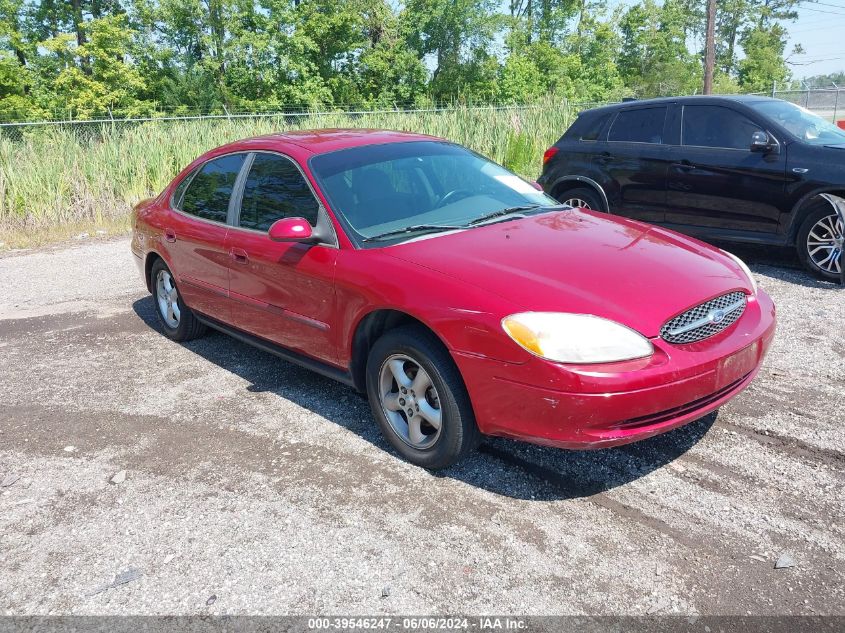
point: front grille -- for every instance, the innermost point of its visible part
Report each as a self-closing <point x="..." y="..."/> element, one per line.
<point x="705" y="320"/>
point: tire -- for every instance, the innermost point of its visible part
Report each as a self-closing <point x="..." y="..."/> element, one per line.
<point x="186" y="326"/>
<point x="407" y="349"/>
<point x="587" y="196"/>
<point x="821" y="217"/>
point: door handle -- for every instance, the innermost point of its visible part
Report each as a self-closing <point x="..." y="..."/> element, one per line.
<point x="239" y="255"/>
<point x="685" y="165"/>
<point x="605" y="157"/>
<point x="169" y="235"/>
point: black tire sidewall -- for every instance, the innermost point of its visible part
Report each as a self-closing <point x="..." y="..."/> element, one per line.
<point x="458" y="430"/>
<point x="820" y="211"/>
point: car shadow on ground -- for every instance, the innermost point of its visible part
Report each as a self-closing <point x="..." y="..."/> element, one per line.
<point x="504" y="467"/>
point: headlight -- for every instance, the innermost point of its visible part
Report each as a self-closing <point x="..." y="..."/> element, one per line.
<point x="745" y="269"/>
<point x="575" y="338"/>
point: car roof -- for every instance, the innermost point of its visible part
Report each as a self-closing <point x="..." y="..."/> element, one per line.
<point x="700" y="99"/>
<point x="328" y="140"/>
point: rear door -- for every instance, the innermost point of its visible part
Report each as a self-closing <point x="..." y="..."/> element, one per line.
<point x="197" y="232"/>
<point x="716" y="183"/>
<point x="281" y="291"/>
<point x="635" y="162"/>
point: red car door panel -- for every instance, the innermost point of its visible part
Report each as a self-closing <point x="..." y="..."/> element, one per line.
<point x="281" y="291"/>
<point x="196" y="236"/>
<point x="201" y="264"/>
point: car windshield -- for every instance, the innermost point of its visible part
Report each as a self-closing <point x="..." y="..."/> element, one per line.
<point x="428" y="185"/>
<point x="807" y="126"/>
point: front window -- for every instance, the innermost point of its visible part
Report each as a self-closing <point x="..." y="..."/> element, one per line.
<point x="275" y="189"/>
<point x="715" y="126"/>
<point x="376" y="189"/>
<point x="802" y="123"/>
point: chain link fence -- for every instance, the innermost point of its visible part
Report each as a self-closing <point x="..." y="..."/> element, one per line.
<point x="92" y="129"/>
<point x="828" y="103"/>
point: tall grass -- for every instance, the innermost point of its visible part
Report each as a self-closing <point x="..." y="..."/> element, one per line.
<point x="57" y="177"/>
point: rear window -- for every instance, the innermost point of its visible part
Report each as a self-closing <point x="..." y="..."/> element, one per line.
<point x="587" y="127"/>
<point x="644" y="125"/>
<point x="208" y="193"/>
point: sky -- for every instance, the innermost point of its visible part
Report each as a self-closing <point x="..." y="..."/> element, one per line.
<point x="819" y="30"/>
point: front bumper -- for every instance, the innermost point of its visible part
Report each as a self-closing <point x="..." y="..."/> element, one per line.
<point x="581" y="407"/>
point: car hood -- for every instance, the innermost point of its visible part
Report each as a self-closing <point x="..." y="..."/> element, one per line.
<point x="582" y="262"/>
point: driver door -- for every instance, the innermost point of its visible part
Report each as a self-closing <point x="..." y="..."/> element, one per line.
<point x="281" y="291"/>
<point x="715" y="182"/>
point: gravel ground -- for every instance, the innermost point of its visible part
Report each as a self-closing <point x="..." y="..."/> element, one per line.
<point x="255" y="487"/>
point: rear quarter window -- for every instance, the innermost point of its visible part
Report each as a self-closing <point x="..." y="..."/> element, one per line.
<point x="643" y="125"/>
<point x="208" y="193"/>
<point x="586" y="127"/>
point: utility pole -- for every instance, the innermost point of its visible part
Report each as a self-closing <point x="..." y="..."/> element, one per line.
<point x="710" y="47"/>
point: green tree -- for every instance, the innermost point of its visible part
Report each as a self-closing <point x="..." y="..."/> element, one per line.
<point x="655" y="59"/>
<point x="764" y="61"/>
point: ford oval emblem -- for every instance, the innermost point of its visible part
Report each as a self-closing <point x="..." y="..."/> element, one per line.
<point x="716" y="316"/>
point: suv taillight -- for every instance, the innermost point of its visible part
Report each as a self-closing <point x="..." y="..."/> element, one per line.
<point x="549" y="154"/>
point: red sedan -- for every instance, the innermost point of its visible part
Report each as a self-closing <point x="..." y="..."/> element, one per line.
<point x="460" y="298"/>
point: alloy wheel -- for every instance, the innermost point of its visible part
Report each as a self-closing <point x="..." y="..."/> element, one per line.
<point x="825" y="242"/>
<point x="167" y="298"/>
<point x="577" y="202"/>
<point x="410" y="401"/>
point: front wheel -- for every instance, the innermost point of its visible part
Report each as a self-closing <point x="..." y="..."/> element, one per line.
<point x="419" y="399"/>
<point x="820" y="241"/>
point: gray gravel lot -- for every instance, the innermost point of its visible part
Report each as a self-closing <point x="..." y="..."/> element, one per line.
<point x="269" y="487"/>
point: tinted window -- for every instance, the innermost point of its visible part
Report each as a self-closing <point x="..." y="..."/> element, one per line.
<point x="176" y="199"/>
<point x="208" y="194"/>
<point x="587" y="126"/>
<point x="275" y="189"/>
<point x="593" y="127"/>
<point x="715" y="126"/>
<point x="639" y="126"/>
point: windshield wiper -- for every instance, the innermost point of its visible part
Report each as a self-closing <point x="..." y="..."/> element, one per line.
<point x="412" y="229"/>
<point x="510" y="210"/>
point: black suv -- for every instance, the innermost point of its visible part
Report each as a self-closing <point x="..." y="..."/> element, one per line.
<point x="743" y="168"/>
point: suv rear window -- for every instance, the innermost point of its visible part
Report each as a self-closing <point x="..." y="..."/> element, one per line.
<point x="644" y="125"/>
<point x="587" y="127"/>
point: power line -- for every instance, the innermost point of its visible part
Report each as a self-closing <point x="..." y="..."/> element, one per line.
<point x="827" y="4"/>
<point x="816" y="29"/>
<point x="821" y="11"/>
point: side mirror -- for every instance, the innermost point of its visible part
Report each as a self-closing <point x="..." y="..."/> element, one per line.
<point x="760" y="142"/>
<point x="290" y="230"/>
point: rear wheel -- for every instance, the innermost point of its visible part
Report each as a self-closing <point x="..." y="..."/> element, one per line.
<point x="820" y="241"/>
<point x="583" y="198"/>
<point x="177" y="320"/>
<point x="419" y="399"/>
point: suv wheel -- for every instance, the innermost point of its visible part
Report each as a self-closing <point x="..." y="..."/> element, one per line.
<point x="419" y="399"/>
<point x="820" y="242"/>
<point x="177" y="320"/>
<point x="583" y="198"/>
